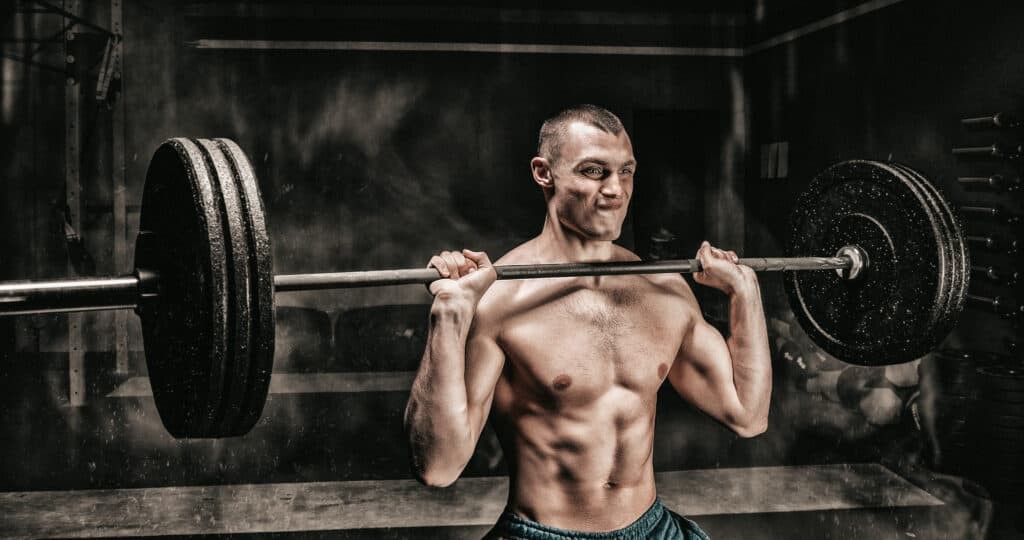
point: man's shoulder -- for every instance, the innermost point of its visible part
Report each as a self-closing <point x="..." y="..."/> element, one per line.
<point x="620" y="253"/>
<point x="524" y="253"/>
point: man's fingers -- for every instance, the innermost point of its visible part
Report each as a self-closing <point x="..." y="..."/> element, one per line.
<point x="453" y="264"/>
<point x="437" y="262"/>
<point x="479" y="258"/>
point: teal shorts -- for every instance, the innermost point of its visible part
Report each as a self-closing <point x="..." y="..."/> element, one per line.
<point x="657" y="523"/>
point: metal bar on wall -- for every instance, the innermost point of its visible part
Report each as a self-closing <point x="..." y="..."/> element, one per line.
<point x="72" y="178"/>
<point x="838" y="18"/>
<point x="117" y="128"/>
<point x="498" y="48"/>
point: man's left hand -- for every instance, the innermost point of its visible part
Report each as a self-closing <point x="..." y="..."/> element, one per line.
<point x="719" y="269"/>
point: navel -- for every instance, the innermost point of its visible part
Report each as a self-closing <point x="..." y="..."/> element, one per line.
<point x="662" y="370"/>
<point x="562" y="382"/>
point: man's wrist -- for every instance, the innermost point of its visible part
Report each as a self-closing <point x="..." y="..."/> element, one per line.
<point x="451" y="308"/>
<point x="745" y="286"/>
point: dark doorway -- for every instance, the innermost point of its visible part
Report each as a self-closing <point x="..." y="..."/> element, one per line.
<point x="675" y="151"/>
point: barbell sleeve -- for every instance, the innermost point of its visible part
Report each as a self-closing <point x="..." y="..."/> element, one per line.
<point x="124" y="292"/>
<point x="73" y="294"/>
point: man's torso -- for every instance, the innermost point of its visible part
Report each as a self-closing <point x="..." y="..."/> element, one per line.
<point x="575" y="404"/>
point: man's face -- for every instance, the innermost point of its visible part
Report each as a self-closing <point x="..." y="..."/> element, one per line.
<point x="593" y="181"/>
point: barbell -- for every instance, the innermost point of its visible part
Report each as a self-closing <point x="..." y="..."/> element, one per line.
<point x="203" y="284"/>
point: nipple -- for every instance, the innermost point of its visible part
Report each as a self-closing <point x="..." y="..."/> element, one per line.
<point x="562" y="382"/>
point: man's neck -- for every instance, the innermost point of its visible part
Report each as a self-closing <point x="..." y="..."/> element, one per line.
<point x="560" y="244"/>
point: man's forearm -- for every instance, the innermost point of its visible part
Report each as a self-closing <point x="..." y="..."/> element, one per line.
<point x="436" y="416"/>
<point x="748" y="346"/>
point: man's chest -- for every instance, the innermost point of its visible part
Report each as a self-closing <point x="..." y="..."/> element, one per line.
<point x="588" y="340"/>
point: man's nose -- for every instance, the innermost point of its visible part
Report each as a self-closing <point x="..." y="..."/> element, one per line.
<point x="612" y="186"/>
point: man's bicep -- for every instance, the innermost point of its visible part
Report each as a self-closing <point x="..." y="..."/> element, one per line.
<point x="702" y="373"/>
<point x="484" y="361"/>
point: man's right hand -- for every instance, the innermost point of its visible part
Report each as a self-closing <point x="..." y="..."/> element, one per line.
<point x="465" y="275"/>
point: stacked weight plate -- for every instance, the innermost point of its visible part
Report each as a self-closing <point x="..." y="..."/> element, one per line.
<point x="209" y="331"/>
<point x="913" y="290"/>
<point x="996" y="430"/>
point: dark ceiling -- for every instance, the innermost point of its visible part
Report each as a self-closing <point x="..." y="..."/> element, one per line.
<point x="703" y="23"/>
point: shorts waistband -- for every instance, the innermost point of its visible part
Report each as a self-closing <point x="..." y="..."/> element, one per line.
<point x="515" y="526"/>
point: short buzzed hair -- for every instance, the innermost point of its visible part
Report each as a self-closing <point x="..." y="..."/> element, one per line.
<point x="552" y="132"/>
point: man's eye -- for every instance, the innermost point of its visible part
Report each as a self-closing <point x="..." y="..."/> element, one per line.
<point x="627" y="170"/>
<point x="593" y="171"/>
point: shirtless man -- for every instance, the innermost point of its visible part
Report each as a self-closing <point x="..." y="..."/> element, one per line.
<point x="569" y="368"/>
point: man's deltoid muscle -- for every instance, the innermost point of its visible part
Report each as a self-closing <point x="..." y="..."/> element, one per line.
<point x="568" y="369"/>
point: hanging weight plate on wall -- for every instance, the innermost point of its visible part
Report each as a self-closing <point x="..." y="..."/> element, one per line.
<point x="900" y="308"/>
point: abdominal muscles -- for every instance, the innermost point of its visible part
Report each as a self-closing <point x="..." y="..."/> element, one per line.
<point x="578" y="457"/>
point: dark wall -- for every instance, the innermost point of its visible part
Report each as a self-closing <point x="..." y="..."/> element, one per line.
<point x="376" y="159"/>
<point x="365" y="160"/>
<point x="891" y="84"/>
<point x="372" y="159"/>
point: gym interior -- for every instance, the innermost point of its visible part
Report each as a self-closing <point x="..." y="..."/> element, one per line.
<point x="383" y="132"/>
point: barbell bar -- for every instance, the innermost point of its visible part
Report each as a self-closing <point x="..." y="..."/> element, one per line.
<point x="203" y="284"/>
<point x="122" y="292"/>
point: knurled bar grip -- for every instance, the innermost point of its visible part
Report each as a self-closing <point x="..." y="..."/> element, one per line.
<point x="122" y="292"/>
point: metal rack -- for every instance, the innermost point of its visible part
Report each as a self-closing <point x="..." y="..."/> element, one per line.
<point x="993" y="173"/>
<point x="82" y="42"/>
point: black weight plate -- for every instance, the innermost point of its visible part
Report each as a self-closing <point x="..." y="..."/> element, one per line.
<point x="961" y="260"/>
<point x="261" y="302"/>
<point x="951" y="264"/>
<point x="892" y="313"/>
<point x="186" y="329"/>
<point x="948" y="268"/>
<point x="236" y="362"/>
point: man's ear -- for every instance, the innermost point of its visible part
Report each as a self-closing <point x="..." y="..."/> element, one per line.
<point x="542" y="172"/>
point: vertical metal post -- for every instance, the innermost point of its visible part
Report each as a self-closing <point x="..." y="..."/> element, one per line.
<point x="117" y="128"/>
<point x="72" y="166"/>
